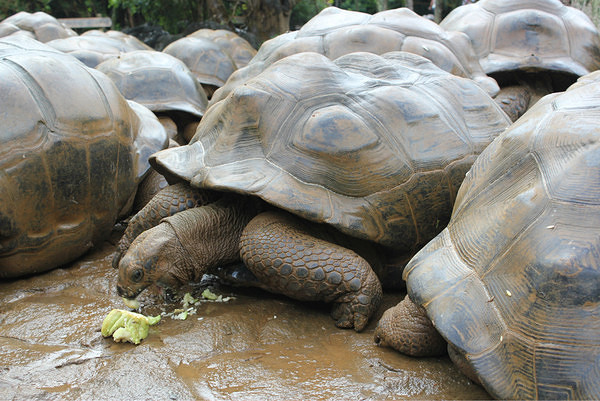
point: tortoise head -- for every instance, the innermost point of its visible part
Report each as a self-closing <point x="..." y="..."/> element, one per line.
<point x="147" y="261"/>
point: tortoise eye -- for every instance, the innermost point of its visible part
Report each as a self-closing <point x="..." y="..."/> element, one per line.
<point x="137" y="275"/>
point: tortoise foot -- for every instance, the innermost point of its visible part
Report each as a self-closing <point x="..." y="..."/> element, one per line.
<point x="354" y="309"/>
<point x="407" y="329"/>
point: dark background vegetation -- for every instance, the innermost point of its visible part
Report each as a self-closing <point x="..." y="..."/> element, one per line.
<point x="259" y="19"/>
<point x="262" y="18"/>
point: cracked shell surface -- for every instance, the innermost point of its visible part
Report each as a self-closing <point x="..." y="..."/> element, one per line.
<point x="373" y="145"/>
<point x="512" y="282"/>
<point x="335" y="32"/>
<point x="509" y="35"/>
<point x="70" y="158"/>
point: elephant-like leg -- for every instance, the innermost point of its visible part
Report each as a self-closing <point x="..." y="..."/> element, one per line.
<point x="407" y="329"/>
<point x="280" y="250"/>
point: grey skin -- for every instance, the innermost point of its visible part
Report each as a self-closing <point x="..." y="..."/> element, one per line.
<point x="288" y="255"/>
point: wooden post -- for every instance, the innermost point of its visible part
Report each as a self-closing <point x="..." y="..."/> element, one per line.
<point x="438" y="10"/>
<point x="92" y="22"/>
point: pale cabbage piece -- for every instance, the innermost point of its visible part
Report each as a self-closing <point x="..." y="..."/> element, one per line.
<point x="127" y="326"/>
<point x="131" y="303"/>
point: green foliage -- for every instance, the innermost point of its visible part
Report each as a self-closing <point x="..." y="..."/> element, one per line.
<point x="171" y="15"/>
<point x="56" y="8"/>
<point x="305" y="10"/>
<point x="590" y="7"/>
<point x="10" y="7"/>
<point x="365" y="6"/>
<point x="77" y="8"/>
<point x="396" y="4"/>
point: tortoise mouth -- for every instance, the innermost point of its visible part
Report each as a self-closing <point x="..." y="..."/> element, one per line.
<point x="128" y="293"/>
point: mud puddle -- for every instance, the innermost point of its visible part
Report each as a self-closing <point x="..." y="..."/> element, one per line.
<point x="256" y="346"/>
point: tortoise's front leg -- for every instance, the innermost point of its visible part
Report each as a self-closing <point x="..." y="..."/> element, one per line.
<point x="279" y="249"/>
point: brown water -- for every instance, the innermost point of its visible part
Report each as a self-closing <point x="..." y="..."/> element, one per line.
<point x="255" y="347"/>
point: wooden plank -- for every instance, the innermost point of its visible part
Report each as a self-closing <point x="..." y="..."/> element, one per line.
<point x="92" y="22"/>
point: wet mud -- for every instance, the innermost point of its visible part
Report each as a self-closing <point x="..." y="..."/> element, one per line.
<point x="256" y="346"/>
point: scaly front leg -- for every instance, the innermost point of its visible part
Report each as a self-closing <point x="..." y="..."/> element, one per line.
<point x="280" y="250"/>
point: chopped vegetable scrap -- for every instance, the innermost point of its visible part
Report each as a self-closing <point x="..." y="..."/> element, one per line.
<point x="188" y="303"/>
<point x="127" y="326"/>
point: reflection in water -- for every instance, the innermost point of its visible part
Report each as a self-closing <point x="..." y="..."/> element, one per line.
<point x="255" y="346"/>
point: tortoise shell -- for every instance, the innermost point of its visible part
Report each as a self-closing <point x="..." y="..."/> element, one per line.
<point x="335" y="32"/>
<point x="128" y="42"/>
<point x="238" y="48"/>
<point x="94" y="47"/>
<point x="7" y="29"/>
<point x="513" y="281"/>
<point x="44" y="26"/>
<point x="25" y="42"/>
<point x="531" y="35"/>
<point x="158" y="81"/>
<point x="71" y="154"/>
<point x="374" y="145"/>
<point x="209" y="63"/>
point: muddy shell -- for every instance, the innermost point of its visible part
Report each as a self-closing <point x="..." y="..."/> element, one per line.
<point x="72" y="153"/>
<point x="335" y="32"/>
<point x="376" y="146"/>
<point x="512" y="282"/>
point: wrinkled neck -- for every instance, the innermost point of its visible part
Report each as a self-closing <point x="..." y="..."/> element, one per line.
<point x="209" y="236"/>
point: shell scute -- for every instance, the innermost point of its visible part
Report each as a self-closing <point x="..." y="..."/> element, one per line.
<point x="519" y="259"/>
<point x="362" y="142"/>
<point x="69" y="160"/>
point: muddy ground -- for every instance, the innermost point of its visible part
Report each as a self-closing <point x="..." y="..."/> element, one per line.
<point x="256" y="346"/>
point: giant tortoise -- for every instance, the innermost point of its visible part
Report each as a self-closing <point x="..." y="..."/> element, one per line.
<point x="540" y="45"/>
<point x="373" y="146"/>
<point x="513" y="282"/>
<point x="160" y="82"/>
<point x="335" y="32"/>
<point x="93" y="47"/>
<point x="42" y="26"/>
<point x="238" y="48"/>
<point x="207" y="61"/>
<point x="212" y="55"/>
<point x="72" y="152"/>
<point x="8" y="29"/>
